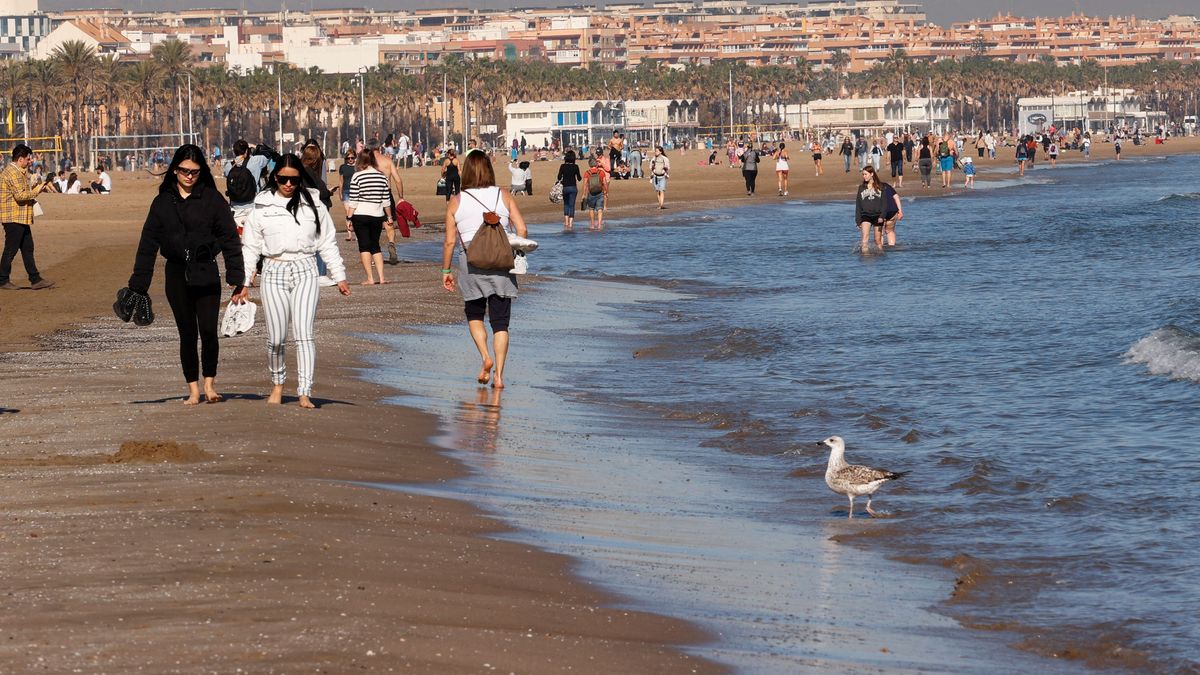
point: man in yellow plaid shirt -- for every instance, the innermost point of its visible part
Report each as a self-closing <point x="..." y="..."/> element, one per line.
<point x="16" y="212"/>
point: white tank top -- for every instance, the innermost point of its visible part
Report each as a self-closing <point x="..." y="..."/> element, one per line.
<point x="469" y="215"/>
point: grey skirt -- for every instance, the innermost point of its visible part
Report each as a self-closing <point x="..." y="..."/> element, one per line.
<point x="475" y="283"/>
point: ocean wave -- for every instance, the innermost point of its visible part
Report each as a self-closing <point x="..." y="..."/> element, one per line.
<point x="1170" y="351"/>
<point x="1179" y="196"/>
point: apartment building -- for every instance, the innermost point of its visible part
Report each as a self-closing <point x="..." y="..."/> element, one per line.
<point x="589" y="122"/>
<point x="671" y="34"/>
<point x="875" y="115"/>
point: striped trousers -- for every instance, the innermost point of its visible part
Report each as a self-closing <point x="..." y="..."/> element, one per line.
<point x="289" y="298"/>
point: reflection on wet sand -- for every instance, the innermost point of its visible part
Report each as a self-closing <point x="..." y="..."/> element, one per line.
<point x="477" y="424"/>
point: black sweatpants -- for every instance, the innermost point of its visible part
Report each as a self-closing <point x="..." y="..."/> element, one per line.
<point x="195" y="309"/>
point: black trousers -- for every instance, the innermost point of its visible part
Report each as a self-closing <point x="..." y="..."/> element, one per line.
<point x="751" y="178"/>
<point x="18" y="237"/>
<point x="195" y="309"/>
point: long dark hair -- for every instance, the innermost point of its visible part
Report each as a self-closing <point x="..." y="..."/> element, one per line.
<point x="301" y="193"/>
<point x="195" y="154"/>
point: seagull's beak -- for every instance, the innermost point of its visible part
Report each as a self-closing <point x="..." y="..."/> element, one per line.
<point x="820" y="445"/>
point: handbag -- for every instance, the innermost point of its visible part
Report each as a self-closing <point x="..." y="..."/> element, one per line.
<point x="489" y="248"/>
<point x="134" y="305"/>
<point x="201" y="266"/>
<point x="441" y="187"/>
<point x="556" y="192"/>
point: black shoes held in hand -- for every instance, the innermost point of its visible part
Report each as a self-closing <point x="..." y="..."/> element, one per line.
<point x="135" y="306"/>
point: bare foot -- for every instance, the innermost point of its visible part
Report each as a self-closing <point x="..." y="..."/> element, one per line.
<point x="485" y="373"/>
<point x="498" y="384"/>
<point x="306" y="402"/>
<point x="192" y="399"/>
<point x="276" y="397"/>
<point x="384" y="282"/>
<point x="368" y="283"/>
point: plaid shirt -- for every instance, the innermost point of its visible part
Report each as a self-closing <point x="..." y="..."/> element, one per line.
<point x="16" y="196"/>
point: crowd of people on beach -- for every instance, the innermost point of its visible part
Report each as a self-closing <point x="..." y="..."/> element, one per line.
<point x="274" y="226"/>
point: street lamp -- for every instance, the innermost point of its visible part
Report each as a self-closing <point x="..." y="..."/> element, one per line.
<point x="362" y="101"/>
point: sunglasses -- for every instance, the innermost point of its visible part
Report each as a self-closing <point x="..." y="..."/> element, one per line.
<point x="190" y="173"/>
<point x="287" y="180"/>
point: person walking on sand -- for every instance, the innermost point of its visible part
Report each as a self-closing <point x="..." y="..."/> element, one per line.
<point x="290" y="227"/>
<point x="870" y="210"/>
<point x="895" y="151"/>
<point x="387" y="167"/>
<point x="968" y="172"/>
<point x="1052" y="152"/>
<point x="817" y="154"/>
<point x="366" y="212"/>
<point x="346" y="174"/>
<point x="782" y="167"/>
<point x="485" y="292"/>
<point x="660" y="168"/>
<point x="925" y="163"/>
<point x="568" y="175"/>
<point x="1117" y="148"/>
<point x="190" y="221"/>
<point x="17" y="198"/>
<point x="750" y="168"/>
<point x="847" y="152"/>
<point x="595" y="181"/>
<point x="1022" y="157"/>
<point x="450" y="174"/>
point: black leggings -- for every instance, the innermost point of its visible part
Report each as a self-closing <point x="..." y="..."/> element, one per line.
<point x="368" y="230"/>
<point x="498" y="311"/>
<point x="453" y="185"/>
<point x="195" y="309"/>
<point x="751" y="177"/>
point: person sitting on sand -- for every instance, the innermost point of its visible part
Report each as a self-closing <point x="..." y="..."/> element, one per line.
<point x="190" y="218"/>
<point x="485" y="292"/>
<point x="289" y="227"/>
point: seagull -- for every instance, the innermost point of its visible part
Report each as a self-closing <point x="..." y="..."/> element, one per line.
<point x="853" y="480"/>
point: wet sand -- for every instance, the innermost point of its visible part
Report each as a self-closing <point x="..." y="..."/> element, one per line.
<point x="259" y="556"/>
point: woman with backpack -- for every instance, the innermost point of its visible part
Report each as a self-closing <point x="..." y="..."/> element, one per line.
<point x="189" y="224"/>
<point x="660" y="168"/>
<point x="485" y="293"/>
<point x="947" y="152"/>
<point x="290" y="227"/>
<point x="569" y="176"/>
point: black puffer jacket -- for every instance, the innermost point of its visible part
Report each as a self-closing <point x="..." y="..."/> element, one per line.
<point x="175" y="224"/>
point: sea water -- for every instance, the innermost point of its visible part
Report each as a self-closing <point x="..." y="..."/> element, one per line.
<point x="1030" y="353"/>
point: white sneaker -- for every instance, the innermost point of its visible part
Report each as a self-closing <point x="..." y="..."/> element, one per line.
<point x="324" y="281"/>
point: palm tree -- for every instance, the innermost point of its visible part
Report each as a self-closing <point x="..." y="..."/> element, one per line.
<point x="174" y="58"/>
<point x="44" y="78"/>
<point x="13" y="76"/>
<point x="76" y="61"/>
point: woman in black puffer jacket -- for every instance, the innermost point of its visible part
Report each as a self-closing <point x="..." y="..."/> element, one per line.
<point x="190" y="220"/>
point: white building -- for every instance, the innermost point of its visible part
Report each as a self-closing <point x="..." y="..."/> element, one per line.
<point x="1088" y="110"/>
<point x="586" y="123"/>
<point x="22" y="26"/>
<point x="877" y="114"/>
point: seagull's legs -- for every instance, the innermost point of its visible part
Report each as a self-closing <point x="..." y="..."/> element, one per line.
<point x="851" y="505"/>
<point x="869" y="511"/>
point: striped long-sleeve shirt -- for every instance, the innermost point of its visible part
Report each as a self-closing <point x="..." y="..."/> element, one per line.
<point x="16" y="195"/>
<point x="369" y="193"/>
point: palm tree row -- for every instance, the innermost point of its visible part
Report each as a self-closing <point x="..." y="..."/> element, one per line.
<point x="77" y="94"/>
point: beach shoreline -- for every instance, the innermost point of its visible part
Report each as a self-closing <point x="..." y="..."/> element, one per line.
<point x="211" y="563"/>
<point x="259" y="549"/>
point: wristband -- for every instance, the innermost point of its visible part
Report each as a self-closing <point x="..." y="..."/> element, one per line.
<point x="447" y="270"/>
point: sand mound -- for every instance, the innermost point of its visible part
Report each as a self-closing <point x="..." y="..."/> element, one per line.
<point x="158" y="451"/>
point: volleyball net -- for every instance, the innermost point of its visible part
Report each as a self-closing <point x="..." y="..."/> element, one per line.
<point x="152" y="152"/>
<point x="39" y="144"/>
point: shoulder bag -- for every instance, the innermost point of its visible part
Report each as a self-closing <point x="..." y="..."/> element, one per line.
<point x="489" y="248"/>
<point x="201" y="266"/>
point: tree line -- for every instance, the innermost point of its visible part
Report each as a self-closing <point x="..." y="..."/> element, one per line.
<point x="77" y="93"/>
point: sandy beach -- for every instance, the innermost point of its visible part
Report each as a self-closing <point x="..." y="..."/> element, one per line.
<point x="140" y="534"/>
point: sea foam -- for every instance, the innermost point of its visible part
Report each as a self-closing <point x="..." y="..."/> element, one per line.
<point x="1170" y="351"/>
